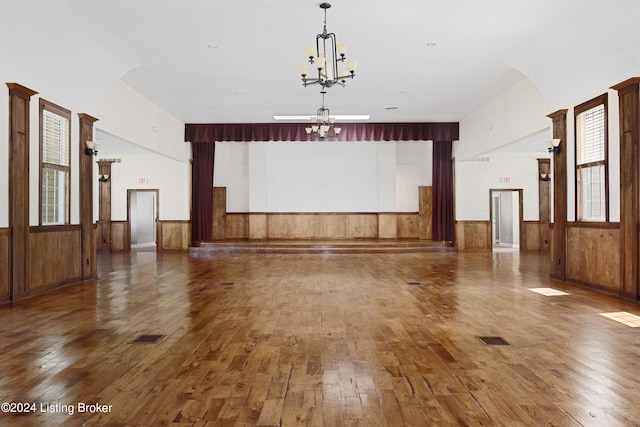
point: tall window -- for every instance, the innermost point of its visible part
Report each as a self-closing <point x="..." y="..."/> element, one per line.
<point x="54" y="164"/>
<point x="591" y="160"/>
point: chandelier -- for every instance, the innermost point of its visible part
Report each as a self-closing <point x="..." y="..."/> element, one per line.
<point x="324" y="58"/>
<point x="322" y="124"/>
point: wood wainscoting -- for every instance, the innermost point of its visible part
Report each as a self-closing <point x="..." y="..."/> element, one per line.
<point x="593" y="255"/>
<point x="119" y="237"/>
<point x="536" y="236"/>
<point x="54" y="257"/>
<point x="5" y="234"/>
<point x="473" y="235"/>
<point x="313" y="225"/>
<point x="174" y="235"/>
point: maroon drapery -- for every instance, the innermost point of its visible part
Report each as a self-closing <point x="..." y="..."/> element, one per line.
<point x="247" y="132"/>
<point x="442" y="192"/>
<point x="202" y="191"/>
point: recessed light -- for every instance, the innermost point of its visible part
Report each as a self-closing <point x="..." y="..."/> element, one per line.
<point x="432" y="44"/>
<point x="213" y="46"/>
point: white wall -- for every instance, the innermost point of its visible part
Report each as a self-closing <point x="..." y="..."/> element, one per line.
<point x="414" y="168"/>
<point x="129" y="115"/>
<point x="322" y="177"/>
<point x="169" y="176"/>
<point x="474" y="179"/>
<point x="516" y="114"/>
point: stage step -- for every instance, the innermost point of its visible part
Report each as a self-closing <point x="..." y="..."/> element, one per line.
<point x="321" y="247"/>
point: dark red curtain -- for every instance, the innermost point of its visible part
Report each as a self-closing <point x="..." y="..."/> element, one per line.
<point x="442" y="192"/>
<point x="202" y="191"/>
<point x="295" y="132"/>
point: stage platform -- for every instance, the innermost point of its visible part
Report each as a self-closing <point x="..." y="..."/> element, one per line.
<point x="322" y="246"/>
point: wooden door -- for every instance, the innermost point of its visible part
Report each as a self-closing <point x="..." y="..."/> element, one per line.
<point x="425" y="213"/>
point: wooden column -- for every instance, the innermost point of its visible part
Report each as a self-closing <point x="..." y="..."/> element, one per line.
<point x="544" y="202"/>
<point x="558" y="248"/>
<point x="19" y="98"/>
<point x="104" y="214"/>
<point x="629" y="100"/>
<point x="89" y="266"/>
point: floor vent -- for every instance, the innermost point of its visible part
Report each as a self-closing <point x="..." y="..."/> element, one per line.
<point x="226" y="284"/>
<point x="493" y="341"/>
<point x="147" y="339"/>
<point x="414" y="283"/>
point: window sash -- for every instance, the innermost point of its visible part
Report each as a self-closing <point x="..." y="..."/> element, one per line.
<point x="53" y="196"/>
<point x="590" y="135"/>
<point x="592" y="195"/>
<point x="55" y="170"/>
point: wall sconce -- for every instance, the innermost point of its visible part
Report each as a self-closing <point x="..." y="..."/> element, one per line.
<point x="554" y="145"/>
<point x="545" y="177"/>
<point x="91" y="149"/>
<point x="103" y="178"/>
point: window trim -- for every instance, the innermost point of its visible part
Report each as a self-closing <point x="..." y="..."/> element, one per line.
<point x="62" y="112"/>
<point x="578" y="109"/>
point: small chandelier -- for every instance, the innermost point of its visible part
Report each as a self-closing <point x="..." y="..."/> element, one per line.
<point x="324" y="57"/>
<point x="322" y="124"/>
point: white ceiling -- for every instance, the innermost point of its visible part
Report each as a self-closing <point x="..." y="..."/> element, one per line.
<point x="236" y="61"/>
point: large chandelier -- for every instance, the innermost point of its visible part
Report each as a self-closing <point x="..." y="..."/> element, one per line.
<point x="322" y="125"/>
<point x="324" y="58"/>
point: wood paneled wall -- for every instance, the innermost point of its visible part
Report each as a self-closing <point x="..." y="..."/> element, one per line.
<point x="593" y="255"/>
<point x="536" y="236"/>
<point x="118" y="233"/>
<point x="55" y="257"/>
<point x="174" y="235"/>
<point x="4" y="264"/>
<point x="337" y="225"/>
<point x="473" y="235"/>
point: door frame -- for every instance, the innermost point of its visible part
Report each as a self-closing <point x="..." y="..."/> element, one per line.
<point x="520" y="213"/>
<point x="155" y="219"/>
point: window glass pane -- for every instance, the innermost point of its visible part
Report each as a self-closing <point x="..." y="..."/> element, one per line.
<point x="53" y="196"/>
<point x="593" y="195"/>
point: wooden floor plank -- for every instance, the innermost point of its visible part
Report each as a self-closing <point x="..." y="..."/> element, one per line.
<point x="321" y="340"/>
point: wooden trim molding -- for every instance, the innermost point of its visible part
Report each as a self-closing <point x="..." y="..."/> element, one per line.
<point x="629" y="106"/>
<point x="558" y="246"/>
<point x="53" y="228"/>
<point x="89" y="244"/>
<point x="19" y="125"/>
<point x="597" y="225"/>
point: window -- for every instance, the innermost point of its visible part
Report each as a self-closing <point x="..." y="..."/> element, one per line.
<point x="54" y="164"/>
<point x="591" y="160"/>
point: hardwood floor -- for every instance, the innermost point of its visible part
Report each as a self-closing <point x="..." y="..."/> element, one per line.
<point x="331" y="340"/>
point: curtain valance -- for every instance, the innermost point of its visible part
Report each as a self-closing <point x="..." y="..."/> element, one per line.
<point x="247" y="132"/>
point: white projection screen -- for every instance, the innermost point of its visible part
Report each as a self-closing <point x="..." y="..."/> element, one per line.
<point x="322" y="177"/>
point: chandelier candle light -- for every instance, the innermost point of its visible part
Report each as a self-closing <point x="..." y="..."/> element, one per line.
<point x="324" y="57"/>
<point x="322" y="124"/>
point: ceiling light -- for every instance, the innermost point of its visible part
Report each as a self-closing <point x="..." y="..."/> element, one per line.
<point x="324" y="59"/>
<point x="322" y="125"/>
